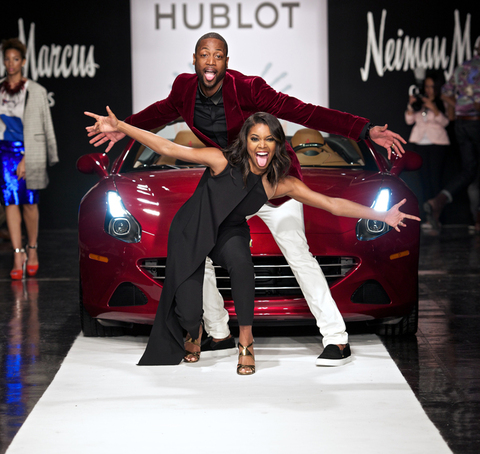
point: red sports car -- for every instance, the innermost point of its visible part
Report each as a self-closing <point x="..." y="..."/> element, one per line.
<point x="372" y="270"/>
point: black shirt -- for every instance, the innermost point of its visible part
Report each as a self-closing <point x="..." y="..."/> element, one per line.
<point x="209" y="117"/>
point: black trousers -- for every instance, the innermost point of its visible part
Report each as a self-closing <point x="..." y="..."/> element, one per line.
<point x="467" y="133"/>
<point x="232" y="252"/>
<point x="433" y="157"/>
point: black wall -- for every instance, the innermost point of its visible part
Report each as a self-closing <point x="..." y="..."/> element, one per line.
<point x="383" y="98"/>
<point x="105" y="25"/>
<point x="103" y="28"/>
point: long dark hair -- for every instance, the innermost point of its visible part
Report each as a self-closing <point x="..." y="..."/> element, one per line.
<point x="438" y="81"/>
<point x="237" y="154"/>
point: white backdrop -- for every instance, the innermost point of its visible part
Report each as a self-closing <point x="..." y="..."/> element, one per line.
<point x="284" y="42"/>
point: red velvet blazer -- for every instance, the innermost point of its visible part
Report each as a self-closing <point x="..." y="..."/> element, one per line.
<point x="243" y="96"/>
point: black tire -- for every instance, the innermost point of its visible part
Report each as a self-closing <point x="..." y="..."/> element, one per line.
<point x="91" y="327"/>
<point x="407" y="326"/>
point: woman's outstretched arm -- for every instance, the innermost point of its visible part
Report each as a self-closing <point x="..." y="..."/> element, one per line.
<point x="210" y="157"/>
<point x="296" y="189"/>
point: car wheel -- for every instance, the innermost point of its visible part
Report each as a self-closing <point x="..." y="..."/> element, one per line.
<point x="407" y="326"/>
<point x="91" y="326"/>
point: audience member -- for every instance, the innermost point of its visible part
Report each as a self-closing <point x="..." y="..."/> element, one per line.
<point x="426" y="111"/>
<point x="463" y="92"/>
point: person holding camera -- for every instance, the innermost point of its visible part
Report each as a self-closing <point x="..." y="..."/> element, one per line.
<point x="429" y="138"/>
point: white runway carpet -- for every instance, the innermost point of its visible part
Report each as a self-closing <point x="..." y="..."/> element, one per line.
<point x="101" y="402"/>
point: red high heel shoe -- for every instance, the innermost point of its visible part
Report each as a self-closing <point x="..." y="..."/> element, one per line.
<point x="32" y="269"/>
<point x="19" y="274"/>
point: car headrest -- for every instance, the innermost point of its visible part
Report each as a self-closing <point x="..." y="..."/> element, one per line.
<point x="309" y="142"/>
<point x="312" y="150"/>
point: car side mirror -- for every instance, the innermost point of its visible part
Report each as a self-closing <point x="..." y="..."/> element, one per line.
<point x="410" y="161"/>
<point x="94" y="163"/>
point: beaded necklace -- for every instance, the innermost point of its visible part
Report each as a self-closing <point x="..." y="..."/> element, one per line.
<point x="12" y="91"/>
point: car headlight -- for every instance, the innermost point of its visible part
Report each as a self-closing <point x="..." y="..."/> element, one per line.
<point x="368" y="229"/>
<point x="119" y="223"/>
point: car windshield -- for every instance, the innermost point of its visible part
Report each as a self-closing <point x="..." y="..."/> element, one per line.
<point x="333" y="151"/>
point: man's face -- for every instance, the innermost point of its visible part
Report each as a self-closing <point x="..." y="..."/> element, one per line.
<point x="210" y="65"/>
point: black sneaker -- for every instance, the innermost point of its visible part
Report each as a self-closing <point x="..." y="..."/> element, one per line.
<point x="225" y="347"/>
<point x="333" y="356"/>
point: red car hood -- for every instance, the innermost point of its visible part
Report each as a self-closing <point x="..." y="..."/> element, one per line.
<point x="154" y="197"/>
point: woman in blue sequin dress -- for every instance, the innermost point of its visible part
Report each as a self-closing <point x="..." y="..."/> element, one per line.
<point x="27" y="139"/>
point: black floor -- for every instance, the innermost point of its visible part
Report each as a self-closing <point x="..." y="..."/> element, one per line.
<point x="38" y="324"/>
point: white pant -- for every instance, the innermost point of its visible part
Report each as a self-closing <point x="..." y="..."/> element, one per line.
<point x="288" y="229"/>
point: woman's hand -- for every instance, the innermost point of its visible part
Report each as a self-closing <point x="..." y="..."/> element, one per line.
<point x="21" y="169"/>
<point x="103" y="124"/>
<point x="395" y="218"/>
<point x="429" y="104"/>
<point x="411" y="99"/>
<point x="105" y="129"/>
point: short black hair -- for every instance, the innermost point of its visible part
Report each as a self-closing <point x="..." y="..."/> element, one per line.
<point x="212" y="35"/>
<point x="14" y="43"/>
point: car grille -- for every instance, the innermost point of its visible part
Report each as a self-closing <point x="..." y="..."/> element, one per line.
<point x="273" y="276"/>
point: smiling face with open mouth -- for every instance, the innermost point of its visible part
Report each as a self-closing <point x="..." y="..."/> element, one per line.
<point x="210" y="63"/>
<point x="261" y="148"/>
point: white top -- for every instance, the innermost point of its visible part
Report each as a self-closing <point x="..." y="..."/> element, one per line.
<point x="12" y="108"/>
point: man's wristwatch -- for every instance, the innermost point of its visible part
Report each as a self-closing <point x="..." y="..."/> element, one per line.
<point x="367" y="132"/>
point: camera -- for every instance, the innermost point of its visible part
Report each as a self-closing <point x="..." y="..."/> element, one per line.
<point x="418" y="104"/>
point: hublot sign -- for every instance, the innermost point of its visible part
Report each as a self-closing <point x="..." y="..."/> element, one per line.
<point x="220" y="15"/>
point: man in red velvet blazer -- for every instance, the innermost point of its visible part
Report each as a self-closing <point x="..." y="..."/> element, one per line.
<point x="214" y="102"/>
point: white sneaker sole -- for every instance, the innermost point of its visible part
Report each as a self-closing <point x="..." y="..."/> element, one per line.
<point x="332" y="362"/>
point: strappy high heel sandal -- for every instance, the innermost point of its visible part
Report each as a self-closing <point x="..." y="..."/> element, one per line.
<point x="16" y="275"/>
<point x="32" y="269"/>
<point x="192" y="357"/>
<point x="248" y="369"/>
